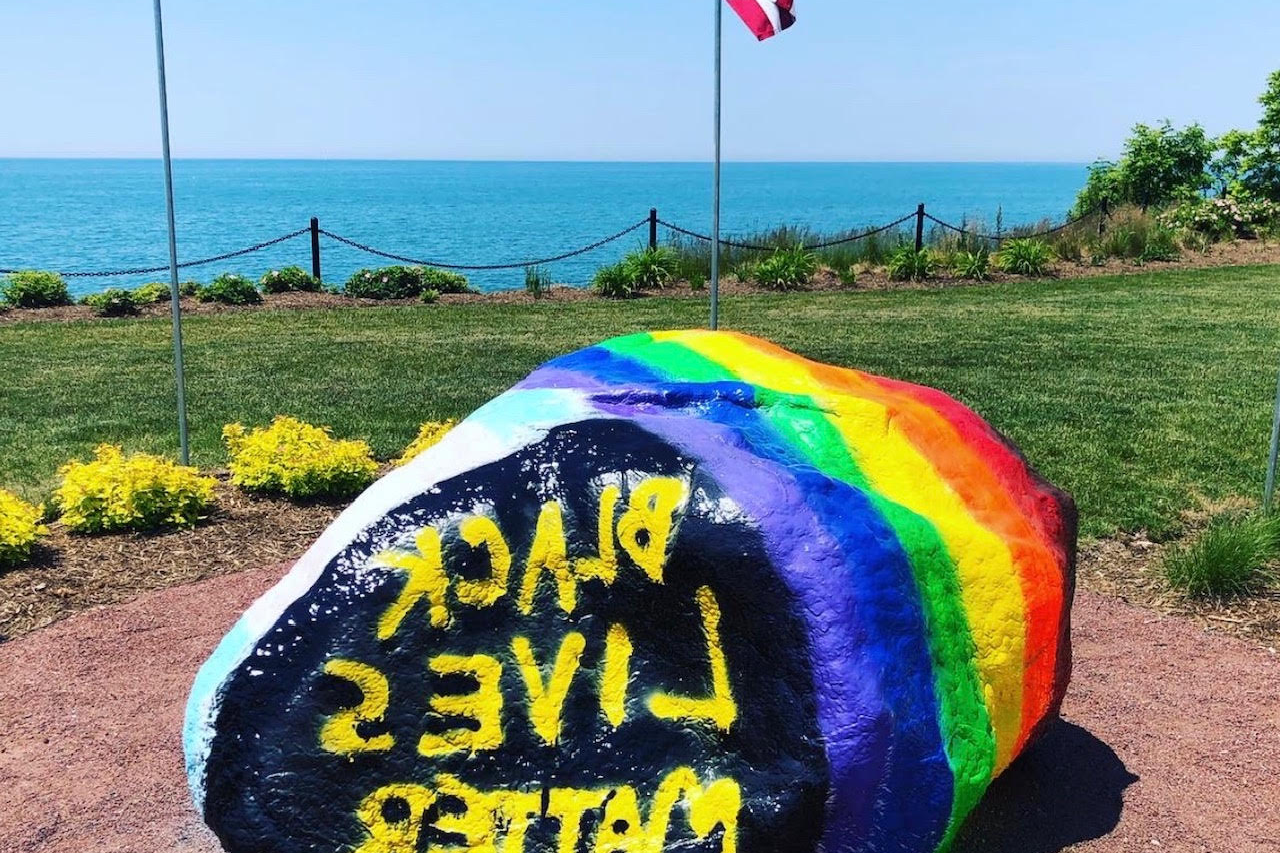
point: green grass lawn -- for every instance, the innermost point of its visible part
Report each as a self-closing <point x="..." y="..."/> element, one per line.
<point x="1139" y="394"/>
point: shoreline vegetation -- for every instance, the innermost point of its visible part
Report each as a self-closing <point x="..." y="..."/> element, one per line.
<point x="1131" y="242"/>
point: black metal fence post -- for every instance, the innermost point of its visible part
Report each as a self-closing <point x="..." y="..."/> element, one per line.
<point x="920" y="227"/>
<point x="1102" y="220"/>
<point x="653" y="228"/>
<point x="315" y="248"/>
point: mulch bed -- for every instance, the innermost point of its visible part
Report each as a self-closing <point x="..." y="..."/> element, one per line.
<point x="71" y="573"/>
<point x="1219" y="255"/>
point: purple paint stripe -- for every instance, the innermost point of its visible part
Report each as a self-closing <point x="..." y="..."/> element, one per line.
<point x="855" y="724"/>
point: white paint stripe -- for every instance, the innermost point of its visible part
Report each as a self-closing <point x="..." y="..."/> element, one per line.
<point x="771" y="10"/>
<point x="505" y="424"/>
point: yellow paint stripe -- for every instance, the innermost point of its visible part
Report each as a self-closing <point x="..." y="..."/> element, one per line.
<point x="896" y="469"/>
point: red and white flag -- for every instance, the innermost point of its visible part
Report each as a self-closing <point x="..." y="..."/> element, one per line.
<point x="765" y="17"/>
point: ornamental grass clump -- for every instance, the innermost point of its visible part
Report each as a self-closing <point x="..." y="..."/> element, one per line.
<point x="1025" y="256"/>
<point x="20" y="527"/>
<point x="136" y="492"/>
<point x="786" y="269"/>
<point x="907" y="264"/>
<point x="429" y="435"/>
<point x="650" y="268"/>
<point x="1235" y="555"/>
<point x="294" y="458"/>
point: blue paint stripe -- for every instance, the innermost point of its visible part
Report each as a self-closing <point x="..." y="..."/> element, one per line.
<point x="916" y="792"/>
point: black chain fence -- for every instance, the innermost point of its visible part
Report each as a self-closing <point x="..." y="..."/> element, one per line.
<point x="920" y="215"/>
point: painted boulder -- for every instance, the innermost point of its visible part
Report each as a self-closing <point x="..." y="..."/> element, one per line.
<point x="680" y="590"/>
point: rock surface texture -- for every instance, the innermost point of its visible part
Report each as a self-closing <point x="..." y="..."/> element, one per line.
<point x="680" y="590"/>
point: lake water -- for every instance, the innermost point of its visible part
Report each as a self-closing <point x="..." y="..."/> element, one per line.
<point x="71" y="215"/>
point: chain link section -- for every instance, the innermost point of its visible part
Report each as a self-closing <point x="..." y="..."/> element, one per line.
<point x="752" y="247"/>
<point x="1002" y="237"/>
<point x="506" y="266"/>
<point x="256" y="247"/>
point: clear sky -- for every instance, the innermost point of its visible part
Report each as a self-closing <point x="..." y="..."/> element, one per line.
<point x="621" y="80"/>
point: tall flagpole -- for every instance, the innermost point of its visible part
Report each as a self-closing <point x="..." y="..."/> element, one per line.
<point x="715" y="196"/>
<point x="176" y="308"/>
<point x="1269" y="489"/>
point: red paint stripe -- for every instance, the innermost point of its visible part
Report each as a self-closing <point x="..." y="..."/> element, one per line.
<point x="754" y="17"/>
<point x="1037" y="542"/>
<point x="1047" y="599"/>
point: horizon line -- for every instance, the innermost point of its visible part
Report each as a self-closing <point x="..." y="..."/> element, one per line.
<point x="548" y="160"/>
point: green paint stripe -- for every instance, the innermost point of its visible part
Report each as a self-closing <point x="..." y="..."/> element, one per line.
<point x="965" y="724"/>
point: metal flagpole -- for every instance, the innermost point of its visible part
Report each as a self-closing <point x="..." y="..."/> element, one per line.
<point x="715" y="196"/>
<point x="176" y="308"/>
<point x="1269" y="490"/>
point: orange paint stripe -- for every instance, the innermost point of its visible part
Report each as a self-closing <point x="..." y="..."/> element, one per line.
<point x="989" y="500"/>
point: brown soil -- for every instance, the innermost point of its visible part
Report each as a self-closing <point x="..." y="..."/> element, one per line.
<point x="73" y="573"/>
<point x="1170" y="739"/>
<point x="1219" y="255"/>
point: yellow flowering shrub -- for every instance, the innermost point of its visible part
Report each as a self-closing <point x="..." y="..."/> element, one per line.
<point x="19" y="528"/>
<point x="429" y="435"/>
<point x="294" y="458"/>
<point x="134" y="492"/>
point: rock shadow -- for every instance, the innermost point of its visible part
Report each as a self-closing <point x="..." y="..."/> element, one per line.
<point x="1066" y="789"/>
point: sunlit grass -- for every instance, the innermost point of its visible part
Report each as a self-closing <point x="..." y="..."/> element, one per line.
<point x="1139" y="394"/>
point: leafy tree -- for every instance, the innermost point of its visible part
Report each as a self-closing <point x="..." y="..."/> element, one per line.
<point x="1262" y="162"/>
<point x="1102" y="187"/>
<point x="1160" y="164"/>
<point x="1228" y="168"/>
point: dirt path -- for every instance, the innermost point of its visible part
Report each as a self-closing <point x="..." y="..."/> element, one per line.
<point x="1171" y="739"/>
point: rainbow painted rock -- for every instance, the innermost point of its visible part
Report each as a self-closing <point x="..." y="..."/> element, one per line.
<point x="683" y="591"/>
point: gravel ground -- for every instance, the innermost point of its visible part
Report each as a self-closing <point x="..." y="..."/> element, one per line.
<point x="1170" y="738"/>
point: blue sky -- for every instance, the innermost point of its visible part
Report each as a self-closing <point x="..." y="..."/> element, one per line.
<point x="615" y="80"/>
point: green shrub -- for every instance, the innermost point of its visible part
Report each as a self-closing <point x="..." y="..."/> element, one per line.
<point x="787" y="269"/>
<point x="34" y="289"/>
<point x="1233" y="556"/>
<point x="296" y="459"/>
<point x="537" y="282"/>
<point x="650" y="268"/>
<point x="847" y="274"/>
<point x="1161" y="245"/>
<point x="443" y="281"/>
<point x="613" y="282"/>
<point x="230" y="289"/>
<point x="288" y="279"/>
<point x="151" y="293"/>
<point x="975" y="265"/>
<point x="1223" y="218"/>
<point x="387" y="283"/>
<point x="430" y="296"/>
<point x="190" y="288"/>
<point x="136" y="492"/>
<point x="20" y="526"/>
<point x="112" y="302"/>
<point x="906" y="264"/>
<point x="400" y="282"/>
<point x="697" y="281"/>
<point x="1025" y="256"/>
